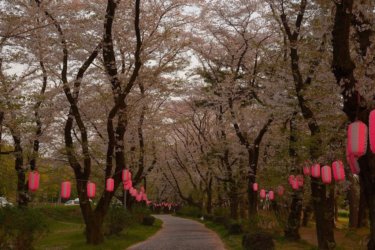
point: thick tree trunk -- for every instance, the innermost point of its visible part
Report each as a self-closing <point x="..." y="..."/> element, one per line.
<point x="362" y="210"/>
<point x="233" y="199"/>
<point x="307" y="211"/>
<point x="294" y="219"/>
<point x="324" y="216"/>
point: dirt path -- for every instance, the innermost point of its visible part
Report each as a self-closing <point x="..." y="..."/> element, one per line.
<point x="181" y="234"/>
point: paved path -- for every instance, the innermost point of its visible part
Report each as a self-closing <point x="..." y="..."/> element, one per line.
<point x="181" y="234"/>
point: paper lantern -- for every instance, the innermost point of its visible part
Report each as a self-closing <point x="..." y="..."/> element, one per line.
<point x="144" y="197"/>
<point x="357" y="139"/>
<point x="91" y="189"/>
<point x="126" y="175"/>
<point x="255" y="187"/>
<point x="372" y="130"/>
<point x="306" y="170"/>
<point x="315" y="171"/>
<point x="294" y="184"/>
<point x="142" y="189"/>
<point x="353" y="164"/>
<point x="326" y="174"/>
<point x="299" y="179"/>
<point x="338" y="171"/>
<point x="33" y="181"/>
<point x="262" y="194"/>
<point x="271" y="195"/>
<point x="110" y="185"/>
<point x="280" y="190"/>
<point x="138" y="197"/>
<point x="291" y="179"/>
<point x="128" y="184"/>
<point x="65" y="189"/>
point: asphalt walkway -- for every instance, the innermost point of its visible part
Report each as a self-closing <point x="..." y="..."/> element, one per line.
<point x="181" y="234"/>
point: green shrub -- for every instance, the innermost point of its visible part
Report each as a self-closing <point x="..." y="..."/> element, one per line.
<point x="208" y="217"/>
<point x="148" y="220"/>
<point x="258" y="241"/>
<point x="20" y="227"/>
<point x="116" y="220"/>
<point x="235" y="228"/>
<point x="139" y="211"/>
<point x="190" y="211"/>
<point x="343" y="213"/>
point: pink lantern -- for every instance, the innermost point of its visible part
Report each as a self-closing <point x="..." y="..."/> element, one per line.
<point x="138" y="197"/>
<point x="91" y="189"/>
<point x="262" y="194"/>
<point x="128" y="184"/>
<point x="315" y="171"/>
<point x="338" y="171"/>
<point x="357" y="139"/>
<point x="271" y="195"/>
<point x="126" y="175"/>
<point x="299" y="179"/>
<point x="295" y="185"/>
<point x="306" y="170"/>
<point x="291" y="178"/>
<point x="280" y="190"/>
<point x="65" y="189"/>
<point x="110" y="185"/>
<point x="144" y="197"/>
<point x="255" y="187"/>
<point x="372" y="130"/>
<point x="353" y="164"/>
<point x="33" y="182"/>
<point x="326" y="174"/>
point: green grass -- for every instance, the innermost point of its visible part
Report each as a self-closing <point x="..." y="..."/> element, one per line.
<point x="66" y="232"/>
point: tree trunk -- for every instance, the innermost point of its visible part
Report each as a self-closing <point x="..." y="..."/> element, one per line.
<point x="352" y="196"/>
<point x="209" y="196"/>
<point x="307" y="211"/>
<point x="294" y="219"/>
<point x="324" y="216"/>
<point x="362" y="210"/>
<point x="233" y="199"/>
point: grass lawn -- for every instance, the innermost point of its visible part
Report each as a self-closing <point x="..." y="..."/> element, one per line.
<point x="66" y="232"/>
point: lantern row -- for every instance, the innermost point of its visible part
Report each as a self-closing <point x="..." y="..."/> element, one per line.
<point x="271" y="194"/>
<point x="34" y="178"/>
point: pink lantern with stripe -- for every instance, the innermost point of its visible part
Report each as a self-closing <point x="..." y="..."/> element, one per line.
<point x="128" y="185"/>
<point x="126" y="175"/>
<point x="306" y="170"/>
<point x="255" y="187"/>
<point x="353" y="163"/>
<point x="357" y="139"/>
<point x="280" y="190"/>
<point x="291" y="179"/>
<point x="338" y="171"/>
<point x="300" y="180"/>
<point x="315" y="170"/>
<point x="138" y="197"/>
<point x="110" y="185"/>
<point x="91" y="189"/>
<point x="372" y="130"/>
<point x="262" y="194"/>
<point x="295" y="185"/>
<point x="65" y="189"/>
<point x="33" y="181"/>
<point x="271" y="195"/>
<point x="326" y="174"/>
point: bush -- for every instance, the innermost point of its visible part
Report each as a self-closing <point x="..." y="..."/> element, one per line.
<point x="148" y="220"/>
<point x="235" y="228"/>
<point x="258" y="241"/>
<point x="222" y="220"/>
<point x="116" y="220"/>
<point x="343" y="213"/>
<point x="190" y="211"/>
<point x="140" y="211"/>
<point x="208" y="217"/>
<point x="20" y="227"/>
